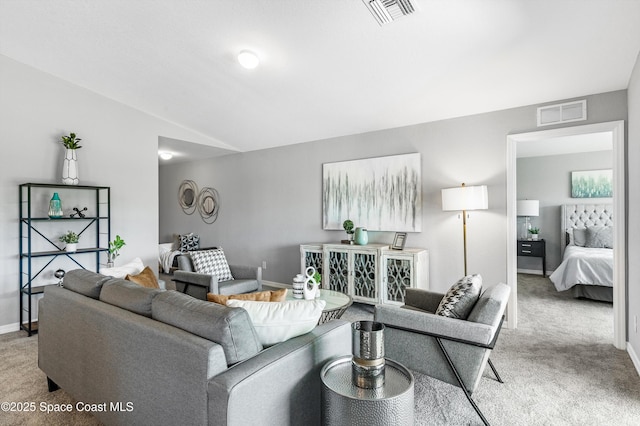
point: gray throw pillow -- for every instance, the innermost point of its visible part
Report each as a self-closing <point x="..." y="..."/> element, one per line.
<point x="461" y="297"/>
<point x="580" y="236"/>
<point x="599" y="237"/>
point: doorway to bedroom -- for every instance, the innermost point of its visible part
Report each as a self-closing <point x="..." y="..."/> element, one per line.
<point x="539" y="169"/>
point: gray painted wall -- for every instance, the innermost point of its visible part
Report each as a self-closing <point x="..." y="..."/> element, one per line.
<point x="119" y="150"/>
<point x="633" y="224"/>
<point x="548" y="179"/>
<point x="271" y="199"/>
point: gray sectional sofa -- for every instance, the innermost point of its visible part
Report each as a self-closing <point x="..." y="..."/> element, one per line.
<point x="167" y="358"/>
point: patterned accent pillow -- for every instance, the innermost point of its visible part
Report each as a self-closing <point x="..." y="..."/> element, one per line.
<point x="461" y="297"/>
<point x="189" y="242"/>
<point x="212" y="262"/>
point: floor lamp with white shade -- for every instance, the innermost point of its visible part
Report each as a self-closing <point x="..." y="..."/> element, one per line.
<point x="463" y="198"/>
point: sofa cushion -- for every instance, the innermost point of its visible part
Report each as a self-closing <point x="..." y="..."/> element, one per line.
<point x="230" y="328"/>
<point x="461" y="297"/>
<point x="258" y="296"/>
<point x="491" y="304"/>
<point x="146" y="278"/>
<point x="85" y="282"/>
<point x="128" y="295"/>
<point x="280" y="321"/>
<point x="212" y="262"/>
<point x="134" y="267"/>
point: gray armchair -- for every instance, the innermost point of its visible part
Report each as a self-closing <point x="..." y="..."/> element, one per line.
<point x="449" y="349"/>
<point x="246" y="279"/>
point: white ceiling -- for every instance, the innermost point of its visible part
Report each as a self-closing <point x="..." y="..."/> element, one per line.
<point x="327" y="68"/>
<point x="565" y="145"/>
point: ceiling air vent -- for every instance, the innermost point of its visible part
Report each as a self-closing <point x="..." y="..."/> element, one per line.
<point x="386" y="11"/>
<point x="562" y="113"/>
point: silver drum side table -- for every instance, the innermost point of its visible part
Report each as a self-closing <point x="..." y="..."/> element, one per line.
<point x="345" y="403"/>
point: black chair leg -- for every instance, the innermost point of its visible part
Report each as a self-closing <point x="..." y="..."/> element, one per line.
<point x="51" y="385"/>
<point x="464" y="389"/>
<point x="495" y="371"/>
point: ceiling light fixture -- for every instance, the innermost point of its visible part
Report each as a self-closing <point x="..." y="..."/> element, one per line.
<point x="165" y="155"/>
<point x="248" y="59"/>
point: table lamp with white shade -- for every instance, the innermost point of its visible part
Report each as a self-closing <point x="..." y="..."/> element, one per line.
<point x="527" y="208"/>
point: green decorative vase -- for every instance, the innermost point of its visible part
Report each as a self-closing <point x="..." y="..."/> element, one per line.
<point x="362" y="238"/>
<point x="55" y="206"/>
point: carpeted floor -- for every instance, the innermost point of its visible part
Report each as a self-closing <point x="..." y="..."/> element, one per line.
<point x="559" y="368"/>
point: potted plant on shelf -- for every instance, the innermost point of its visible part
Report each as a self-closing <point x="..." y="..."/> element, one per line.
<point x="70" y="163"/>
<point x="114" y="249"/>
<point x="71" y="239"/>
<point x="534" y="233"/>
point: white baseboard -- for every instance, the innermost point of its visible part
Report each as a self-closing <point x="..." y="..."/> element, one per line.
<point x="533" y="271"/>
<point x="275" y="284"/>
<point x="9" y="328"/>
<point x="634" y="357"/>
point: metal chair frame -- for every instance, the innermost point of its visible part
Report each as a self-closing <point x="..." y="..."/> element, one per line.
<point x="440" y="337"/>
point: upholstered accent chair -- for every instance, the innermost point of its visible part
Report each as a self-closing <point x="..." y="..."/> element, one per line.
<point x="246" y="279"/>
<point x="453" y="350"/>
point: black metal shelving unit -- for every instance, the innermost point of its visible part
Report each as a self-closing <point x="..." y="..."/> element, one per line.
<point x="36" y="225"/>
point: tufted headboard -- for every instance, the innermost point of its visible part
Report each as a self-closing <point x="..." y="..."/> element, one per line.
<point x="582" y="216"/>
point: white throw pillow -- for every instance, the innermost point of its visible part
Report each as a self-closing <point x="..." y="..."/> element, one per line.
<point x="211" y="262"/>
<point x="132" y="268"/>
<point x="276" y="322"/>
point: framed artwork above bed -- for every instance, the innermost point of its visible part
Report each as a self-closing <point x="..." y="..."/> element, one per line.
<point x="592" y="184"/>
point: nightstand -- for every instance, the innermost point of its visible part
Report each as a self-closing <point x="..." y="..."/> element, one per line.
<point x="532" y="248"/>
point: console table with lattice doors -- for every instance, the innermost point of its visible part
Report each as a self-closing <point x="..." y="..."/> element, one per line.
<point x="401" y="269"/>
<point x="311" y="255"/>
<point x="369" y="274"/>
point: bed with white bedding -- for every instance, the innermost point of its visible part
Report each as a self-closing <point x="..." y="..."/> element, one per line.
<point x="587" y="261"/>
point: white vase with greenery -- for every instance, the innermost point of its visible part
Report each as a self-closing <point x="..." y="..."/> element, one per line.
<point x="70" y="163"/>
<point x="114" y="250"/>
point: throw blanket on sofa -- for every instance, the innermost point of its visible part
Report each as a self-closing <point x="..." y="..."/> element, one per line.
<point x="166" y="255"/>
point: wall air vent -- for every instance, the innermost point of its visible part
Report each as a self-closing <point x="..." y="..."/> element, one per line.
<point x="386" y="11"/>
<point x="562" y="113"/>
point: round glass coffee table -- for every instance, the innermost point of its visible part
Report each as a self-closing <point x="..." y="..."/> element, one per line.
<point x="337" y="303"/>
